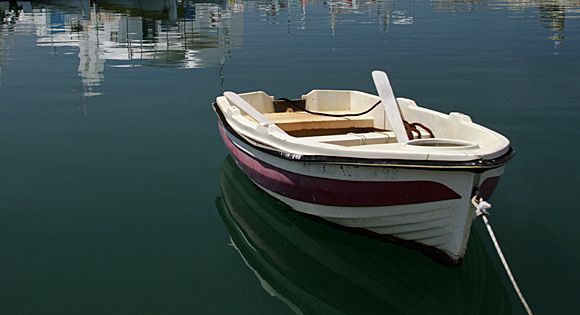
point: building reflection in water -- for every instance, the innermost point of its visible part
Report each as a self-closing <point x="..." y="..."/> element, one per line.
<point x="181" y="33"/>
<point x="458" y="5"/>
<point x="551" y="13"/>
<point x="194" y="34"/>
<point x="394" y="12"/>
<point x="187" y="34"/>
<point x="399" y="12"/>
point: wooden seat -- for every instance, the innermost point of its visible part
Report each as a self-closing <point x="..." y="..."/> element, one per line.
<point x="302" y="121"/>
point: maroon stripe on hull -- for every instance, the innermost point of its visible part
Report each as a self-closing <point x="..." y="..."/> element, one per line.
<point x="335" y="192"/>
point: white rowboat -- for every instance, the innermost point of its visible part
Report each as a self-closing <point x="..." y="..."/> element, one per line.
<point x="338" y="156"/>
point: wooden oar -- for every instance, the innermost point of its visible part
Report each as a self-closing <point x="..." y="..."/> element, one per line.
<point x="390" y="105"/>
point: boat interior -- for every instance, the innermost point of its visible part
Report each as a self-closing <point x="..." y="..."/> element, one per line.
<point x="291" y="117"/>
<point x="327" y="120"/>
<point x="306" y="118"/>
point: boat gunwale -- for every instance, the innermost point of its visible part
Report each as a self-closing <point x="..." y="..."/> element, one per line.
<point x="475" y="166"/>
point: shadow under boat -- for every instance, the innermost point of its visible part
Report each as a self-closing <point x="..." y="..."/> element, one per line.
<point x="316" y="268"/>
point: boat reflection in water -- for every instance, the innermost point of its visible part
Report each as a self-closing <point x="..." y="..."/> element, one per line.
<point x="317" y="268"/>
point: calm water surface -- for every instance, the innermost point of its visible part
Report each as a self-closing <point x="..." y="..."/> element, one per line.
<point x="117" y="196"/>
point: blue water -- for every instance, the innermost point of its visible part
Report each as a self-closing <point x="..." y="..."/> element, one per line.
<point x="113" y="175"/>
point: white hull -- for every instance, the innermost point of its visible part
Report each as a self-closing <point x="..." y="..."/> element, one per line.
<point x="443" y="224"/>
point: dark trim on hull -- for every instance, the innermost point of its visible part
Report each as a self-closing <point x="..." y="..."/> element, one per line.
<point x="475" y="166"/>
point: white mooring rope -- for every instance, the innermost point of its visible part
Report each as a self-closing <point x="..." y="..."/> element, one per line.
<point x="481" y="208"/>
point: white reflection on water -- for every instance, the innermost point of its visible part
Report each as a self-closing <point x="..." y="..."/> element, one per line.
<point x="146" y="30"/>
<point x="194" y="34"/>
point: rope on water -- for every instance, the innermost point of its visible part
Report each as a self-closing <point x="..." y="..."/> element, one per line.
<point x="481" y="207"/>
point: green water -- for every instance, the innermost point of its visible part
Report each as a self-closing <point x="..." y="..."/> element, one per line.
<point x="113" y="179"/>
<point x="316" y="269"/>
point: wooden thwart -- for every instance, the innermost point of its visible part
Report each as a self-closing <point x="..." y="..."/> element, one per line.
<point x="294" y="121"/>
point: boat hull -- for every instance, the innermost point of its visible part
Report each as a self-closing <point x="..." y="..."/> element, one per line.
<point x="422" y="208"/>
<point x="297" y="260"/>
